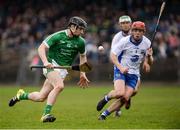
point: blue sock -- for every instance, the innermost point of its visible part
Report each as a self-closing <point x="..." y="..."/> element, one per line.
<point x="106" y="113"/>
<point x="107" y="98"/>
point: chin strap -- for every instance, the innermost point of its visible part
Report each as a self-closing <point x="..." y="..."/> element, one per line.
<point x="71" y="31"/>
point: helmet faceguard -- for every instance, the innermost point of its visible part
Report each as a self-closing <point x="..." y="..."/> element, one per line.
<point x="78" y="22"/>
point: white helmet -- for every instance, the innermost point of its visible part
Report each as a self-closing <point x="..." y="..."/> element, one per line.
<point x="125" y="18"/>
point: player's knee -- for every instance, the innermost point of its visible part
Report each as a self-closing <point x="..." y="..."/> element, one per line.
<point x="59" y="88"/>
<point x="119" y="94"/>
<point x="42" y="98"/>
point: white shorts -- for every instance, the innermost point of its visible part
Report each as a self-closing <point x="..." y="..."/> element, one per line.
<point x="62" y="72"/>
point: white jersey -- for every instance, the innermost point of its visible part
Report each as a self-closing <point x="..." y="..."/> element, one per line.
<point x="131" y="54"/>
<point x="117" y="38"/>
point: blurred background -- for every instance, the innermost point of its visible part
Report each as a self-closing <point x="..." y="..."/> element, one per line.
<point x="25" y="23"/>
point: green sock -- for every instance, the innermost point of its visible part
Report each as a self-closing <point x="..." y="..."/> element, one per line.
<point x="47" y="109"/>
<point x="24" y="96"/>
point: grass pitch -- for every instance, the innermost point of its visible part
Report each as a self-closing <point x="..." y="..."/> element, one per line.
<point x="153" y="107"/>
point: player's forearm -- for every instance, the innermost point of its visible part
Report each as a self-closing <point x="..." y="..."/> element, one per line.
<point x="83" y="59"/>
<point x="42" y="53"/>
<point x="149" y="56"/>
<point x="150" y="60"/>
<point x="145" y="61"/>
<point x="115" y="61"/>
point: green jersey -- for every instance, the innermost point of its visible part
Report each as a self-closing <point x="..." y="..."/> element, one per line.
<point x="63" y="49"/>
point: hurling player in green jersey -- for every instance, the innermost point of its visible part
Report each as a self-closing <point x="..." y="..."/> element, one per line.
<point x="62" y="47"/>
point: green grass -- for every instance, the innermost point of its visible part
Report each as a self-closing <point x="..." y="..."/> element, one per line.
<point x="153" y="107"/>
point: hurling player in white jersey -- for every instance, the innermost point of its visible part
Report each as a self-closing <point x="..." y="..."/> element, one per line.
<point x="127" y="56"/>
<point x="125" y="26"/>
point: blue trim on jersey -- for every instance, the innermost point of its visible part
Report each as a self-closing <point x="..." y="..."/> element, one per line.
<point x="120" y="57"/>
<point x="136" y="43"/>
<point x="130" y="79"/>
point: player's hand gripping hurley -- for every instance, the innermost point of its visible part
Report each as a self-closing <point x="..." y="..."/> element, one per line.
<point x="85" y="67"/>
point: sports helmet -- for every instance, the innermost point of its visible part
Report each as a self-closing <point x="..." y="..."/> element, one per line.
<point x="125" y="18"/>
<point x="78" y="21"/>
<point x="138" y="25"/>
